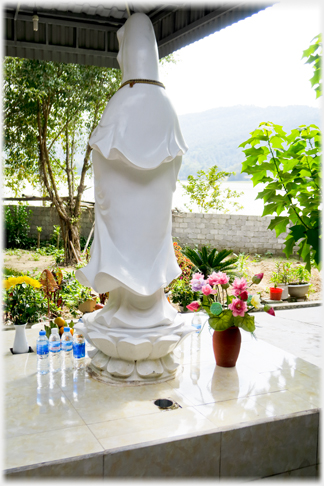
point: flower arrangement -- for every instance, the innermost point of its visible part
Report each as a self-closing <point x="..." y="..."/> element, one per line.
<point x="225" y="310"/>
<point x="23" y="301"/>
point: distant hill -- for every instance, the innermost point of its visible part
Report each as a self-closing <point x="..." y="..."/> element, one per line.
<point x="213" y="136"/>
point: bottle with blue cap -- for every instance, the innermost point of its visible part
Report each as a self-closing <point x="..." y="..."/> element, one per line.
<point x="67" y="350"/>
<point x="78" y="350"/>
<point x="42" y="353"/>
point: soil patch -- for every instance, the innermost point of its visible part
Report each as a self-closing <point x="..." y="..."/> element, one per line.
<point x="29" y="261"/>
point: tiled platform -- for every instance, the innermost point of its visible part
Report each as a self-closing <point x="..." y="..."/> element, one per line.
<point x="257" y="420"/>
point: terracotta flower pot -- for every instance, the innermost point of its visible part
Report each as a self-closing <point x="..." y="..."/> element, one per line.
<point x="227" y="345"/>
<point x="275" y="293"/>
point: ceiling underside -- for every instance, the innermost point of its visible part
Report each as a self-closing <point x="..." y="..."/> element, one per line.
<point x="85" y="33"/>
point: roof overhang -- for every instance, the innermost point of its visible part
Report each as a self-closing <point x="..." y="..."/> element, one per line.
<point x="85" y="33"/>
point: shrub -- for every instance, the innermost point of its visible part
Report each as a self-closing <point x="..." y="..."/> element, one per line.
<point x="207" y="261"/>
<point x="17" y="226"/>
<point x="182" y="294"/>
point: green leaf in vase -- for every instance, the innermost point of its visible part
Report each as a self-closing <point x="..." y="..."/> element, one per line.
<point x="222" y="322"/>
<point x="246" y="322"/>
<point x="216" y="308"/>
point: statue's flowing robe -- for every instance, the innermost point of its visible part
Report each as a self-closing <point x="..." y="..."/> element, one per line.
<point x="137" y="152"/>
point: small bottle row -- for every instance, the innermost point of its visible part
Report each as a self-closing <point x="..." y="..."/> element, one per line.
<point x="54" y="354"/>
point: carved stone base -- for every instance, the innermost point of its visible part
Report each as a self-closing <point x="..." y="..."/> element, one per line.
<point x="133" y="373"/>
<point x="133" y="356"/>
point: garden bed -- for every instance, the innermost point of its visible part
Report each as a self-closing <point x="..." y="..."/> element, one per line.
<point x="30" y="261"/>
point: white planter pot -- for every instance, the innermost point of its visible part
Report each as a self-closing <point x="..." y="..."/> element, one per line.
<point x="298" y="290"/>
<point x="20" y="344"/>
<point x="285" y="294"/>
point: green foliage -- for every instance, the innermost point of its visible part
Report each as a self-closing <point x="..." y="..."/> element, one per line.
<point x="314" y="57"/>
<point x="182" y="294"/>
<point x="300" y="274"/>
<point x="289" y="166"/>
<point x="207" y="261"/>
<point x="11" y="272"/>
<point x="17" y="226"/>
<point x="205" y="191"/>
<point x="283" y="273"/>
<point x="73" y="293"/>
<point x="242" y="264"/>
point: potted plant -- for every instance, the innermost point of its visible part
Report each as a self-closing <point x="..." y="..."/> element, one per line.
<point x="87" y="301"/>
<point x="275" y="291"/>
<point x="23" y="304"/>
<point x="227" y="312"/>
<point x="280" y="278"/>
<point x="300" y="282"/>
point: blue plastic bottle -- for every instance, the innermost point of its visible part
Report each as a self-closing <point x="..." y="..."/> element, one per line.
<point x="42" y="353"/>
<point x="78" y="350"/>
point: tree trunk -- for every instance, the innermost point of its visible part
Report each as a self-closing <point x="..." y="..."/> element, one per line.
<point x="70" y="234"/>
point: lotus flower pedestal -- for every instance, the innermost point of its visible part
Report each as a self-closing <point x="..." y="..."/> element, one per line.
<point x="132" y="343"/>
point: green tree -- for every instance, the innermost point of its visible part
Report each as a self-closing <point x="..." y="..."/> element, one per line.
<point x="314" y="57"/>
<point x="289" y="166"/>
<point x="49" y="107"/>
<point x="205" y="190"/>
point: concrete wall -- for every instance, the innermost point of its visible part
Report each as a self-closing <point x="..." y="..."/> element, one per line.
<point x="239" y="233"/>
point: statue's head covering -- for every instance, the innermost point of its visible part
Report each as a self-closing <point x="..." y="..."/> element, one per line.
<point x="139" y="124"/>
<point x="138" y="53"/>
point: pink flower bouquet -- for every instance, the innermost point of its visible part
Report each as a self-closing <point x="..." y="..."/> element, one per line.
<point x="224" y="308"/>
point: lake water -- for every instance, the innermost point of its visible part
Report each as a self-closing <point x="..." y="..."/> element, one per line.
<point x="251" y="205"/>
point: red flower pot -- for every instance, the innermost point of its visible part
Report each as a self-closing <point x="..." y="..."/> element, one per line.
<point x="275" y="293"/>
<point x="227" y="345"/>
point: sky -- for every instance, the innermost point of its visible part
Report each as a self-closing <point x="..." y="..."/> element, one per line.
<point x="256" y="61"/>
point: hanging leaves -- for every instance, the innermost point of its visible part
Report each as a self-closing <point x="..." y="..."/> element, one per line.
<point x="48" y="282"/>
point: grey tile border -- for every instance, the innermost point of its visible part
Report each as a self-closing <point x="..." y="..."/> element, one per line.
<point x="270" y="448"/>
<point x="197" y="456"/>
<point x="87" y="466"/>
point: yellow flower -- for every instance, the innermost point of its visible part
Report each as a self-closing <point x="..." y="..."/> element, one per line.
<point x="35" y="283"/>
<point x="13" y="281"/>
<point x="6" y="285"/>
<point x="10" y="282"/>
<point x="255" y="301"/>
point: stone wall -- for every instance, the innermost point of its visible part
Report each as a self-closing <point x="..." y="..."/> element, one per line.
<point x="239" y="233"/>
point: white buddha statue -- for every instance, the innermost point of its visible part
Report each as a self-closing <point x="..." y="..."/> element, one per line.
<point x="137" y="153"/>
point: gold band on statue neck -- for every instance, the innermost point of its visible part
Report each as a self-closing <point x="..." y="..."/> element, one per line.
<point x="131" y="82"/>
